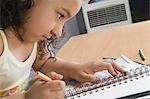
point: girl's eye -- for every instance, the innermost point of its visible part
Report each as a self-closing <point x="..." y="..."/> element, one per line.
<point x="60" y="15"/>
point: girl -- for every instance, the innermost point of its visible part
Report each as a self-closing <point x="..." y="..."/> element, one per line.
<point x="28" y="28"/>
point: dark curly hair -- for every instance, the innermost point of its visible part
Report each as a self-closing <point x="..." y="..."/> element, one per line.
<point x="13" y="14"/>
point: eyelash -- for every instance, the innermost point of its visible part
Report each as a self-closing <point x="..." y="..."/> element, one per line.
<point x="60" y="15"/>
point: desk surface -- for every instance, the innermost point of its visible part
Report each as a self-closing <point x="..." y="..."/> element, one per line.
<point x="125" y="40"/>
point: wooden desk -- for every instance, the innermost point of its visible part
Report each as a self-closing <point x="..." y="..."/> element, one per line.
<point x="125" y="40"/>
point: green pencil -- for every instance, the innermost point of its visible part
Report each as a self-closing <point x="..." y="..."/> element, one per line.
<point x="142" y="55"/>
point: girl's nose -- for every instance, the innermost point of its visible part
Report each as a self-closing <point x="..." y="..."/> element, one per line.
<point x="58" y="30"/>
<point x="48" y="35"/>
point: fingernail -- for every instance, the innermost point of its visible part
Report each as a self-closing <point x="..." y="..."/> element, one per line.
<point x="53" y="73"/>
<point x="115" y="74"/>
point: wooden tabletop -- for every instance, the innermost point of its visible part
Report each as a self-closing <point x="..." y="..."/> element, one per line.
<point x="126" y="40"/>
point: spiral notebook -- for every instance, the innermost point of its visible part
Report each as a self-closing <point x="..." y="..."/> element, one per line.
<point x="134" y="85"/>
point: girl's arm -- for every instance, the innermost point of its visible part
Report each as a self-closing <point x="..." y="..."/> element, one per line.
<point x="46" y="65"/>
<point x="81" y="72"/>
<point x="59" y="65"/>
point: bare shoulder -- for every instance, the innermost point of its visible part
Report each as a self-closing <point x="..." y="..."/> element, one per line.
<point x="1" y="45"/>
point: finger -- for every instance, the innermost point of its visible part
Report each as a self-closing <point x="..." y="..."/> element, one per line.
<point x="117" y="72"/>
<point x="55" y="76"/>
<point x="117" y="66"/>
<point x="33" y="80"/>
<point x="42" y="76"/>
<point x="88" y="77"/>
<point x="109" y="67"/>
<point x="55" y="85"/>
<point x="104" y="65"/>
<point x="98" y="66"/>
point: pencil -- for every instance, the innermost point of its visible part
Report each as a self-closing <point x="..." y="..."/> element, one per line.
<point x="33" y="80"/>
<point x="42" y="76"/>
<point x="142" y="55"/>
<point x="112" y="58"/>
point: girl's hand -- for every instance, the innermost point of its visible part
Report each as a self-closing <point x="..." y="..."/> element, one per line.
<point x="54" y="89"/>
<point x="85" y="72"/>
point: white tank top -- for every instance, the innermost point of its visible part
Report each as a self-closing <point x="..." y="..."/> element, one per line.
<point x="12" y="71"/>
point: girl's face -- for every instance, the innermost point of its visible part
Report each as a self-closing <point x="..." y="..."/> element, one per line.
<point x="47" y="17"/>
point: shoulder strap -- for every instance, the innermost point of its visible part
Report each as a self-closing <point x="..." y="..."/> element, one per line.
<point x="4" y="39"/>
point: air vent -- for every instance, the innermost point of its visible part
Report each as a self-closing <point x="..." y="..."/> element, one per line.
<point x="107" y="15"/>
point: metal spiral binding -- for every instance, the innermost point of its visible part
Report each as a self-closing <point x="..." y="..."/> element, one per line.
<point x="89" y="88"/>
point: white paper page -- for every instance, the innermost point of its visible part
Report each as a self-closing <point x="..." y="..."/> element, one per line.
<point x="125" y="89"/>
<point x="126" y="63"/>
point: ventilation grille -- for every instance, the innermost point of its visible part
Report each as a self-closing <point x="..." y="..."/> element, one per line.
<point x="107" y="15"/>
